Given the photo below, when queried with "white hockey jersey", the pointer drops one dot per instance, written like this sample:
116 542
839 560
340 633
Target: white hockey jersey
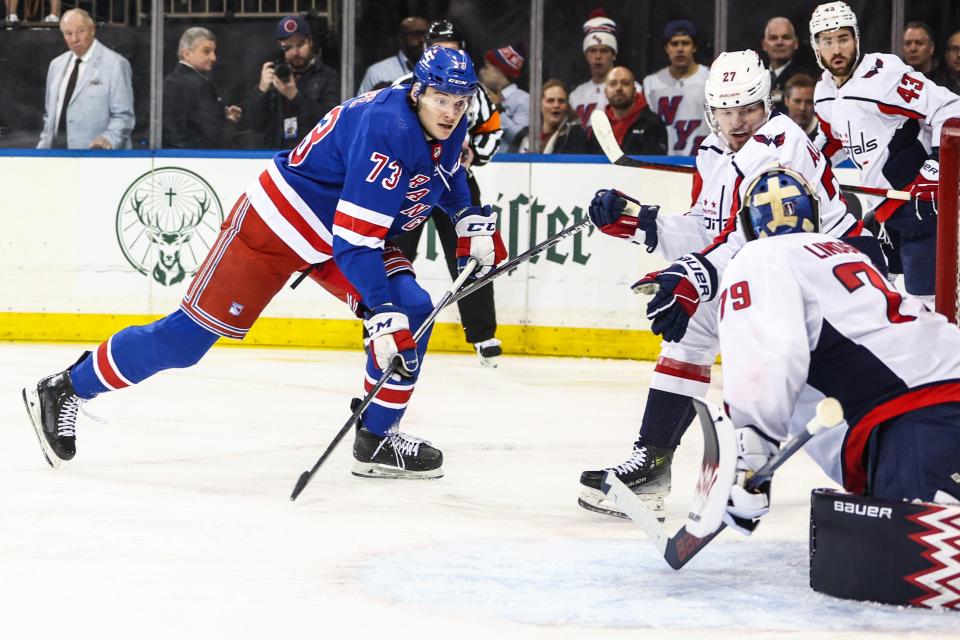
804 316
884 119
711 228
679 103
589 96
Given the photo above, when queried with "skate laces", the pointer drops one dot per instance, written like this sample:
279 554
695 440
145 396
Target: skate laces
633 463
402 445
67 420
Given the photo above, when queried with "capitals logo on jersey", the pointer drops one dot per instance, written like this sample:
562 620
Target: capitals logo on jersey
776 141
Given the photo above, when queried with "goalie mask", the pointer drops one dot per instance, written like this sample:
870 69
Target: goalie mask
777 202
830 17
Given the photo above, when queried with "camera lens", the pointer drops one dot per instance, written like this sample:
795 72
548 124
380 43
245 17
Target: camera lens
283 71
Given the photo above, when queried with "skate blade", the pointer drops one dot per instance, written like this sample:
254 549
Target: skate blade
374 470
31 400
596 501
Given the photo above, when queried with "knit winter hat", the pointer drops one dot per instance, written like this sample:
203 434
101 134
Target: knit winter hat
508 59
599 30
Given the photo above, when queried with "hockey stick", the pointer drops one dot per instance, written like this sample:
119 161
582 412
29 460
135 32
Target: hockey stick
306 476
679 548
611 148
508 266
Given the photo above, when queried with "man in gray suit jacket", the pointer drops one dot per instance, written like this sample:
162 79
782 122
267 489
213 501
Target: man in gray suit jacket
89 97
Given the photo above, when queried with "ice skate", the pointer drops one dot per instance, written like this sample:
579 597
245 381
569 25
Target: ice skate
52 406
489 352
646 472
397 455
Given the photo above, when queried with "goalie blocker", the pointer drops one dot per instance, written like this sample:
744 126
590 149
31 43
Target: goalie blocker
903 553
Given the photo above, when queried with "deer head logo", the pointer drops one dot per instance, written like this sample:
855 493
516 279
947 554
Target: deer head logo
166 222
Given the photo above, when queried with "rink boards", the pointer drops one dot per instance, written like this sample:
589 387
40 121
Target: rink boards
95 242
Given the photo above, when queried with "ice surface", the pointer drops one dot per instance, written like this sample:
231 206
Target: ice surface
174 520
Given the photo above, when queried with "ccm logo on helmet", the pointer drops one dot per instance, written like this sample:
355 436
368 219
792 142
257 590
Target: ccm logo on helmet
870 511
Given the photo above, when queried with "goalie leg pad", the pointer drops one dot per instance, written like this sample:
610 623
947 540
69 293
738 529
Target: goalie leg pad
902 553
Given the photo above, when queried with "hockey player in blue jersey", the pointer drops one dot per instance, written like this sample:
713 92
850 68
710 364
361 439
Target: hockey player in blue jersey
371 169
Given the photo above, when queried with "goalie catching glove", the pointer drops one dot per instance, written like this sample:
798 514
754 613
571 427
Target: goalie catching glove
617 214
745 508
679 290
390 338
479 238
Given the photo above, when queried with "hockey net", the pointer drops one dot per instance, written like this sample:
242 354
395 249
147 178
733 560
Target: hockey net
948 223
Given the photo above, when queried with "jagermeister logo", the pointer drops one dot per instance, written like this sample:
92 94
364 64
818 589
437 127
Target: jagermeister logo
166 223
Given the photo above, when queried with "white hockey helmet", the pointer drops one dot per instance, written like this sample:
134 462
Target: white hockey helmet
737 79
830 17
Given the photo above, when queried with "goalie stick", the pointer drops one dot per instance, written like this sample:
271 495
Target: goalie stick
679 548
306 476
611 148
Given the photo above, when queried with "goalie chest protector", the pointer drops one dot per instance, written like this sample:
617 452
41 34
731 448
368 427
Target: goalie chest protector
903 553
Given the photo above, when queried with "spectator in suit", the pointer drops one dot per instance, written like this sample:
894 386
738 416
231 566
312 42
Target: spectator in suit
293 93
413 30
918 47
780 43
89 92
561 131
638 130
498 75
951 68
798 98
194 116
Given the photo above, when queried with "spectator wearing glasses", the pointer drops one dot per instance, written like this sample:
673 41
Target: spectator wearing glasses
413 31
295 90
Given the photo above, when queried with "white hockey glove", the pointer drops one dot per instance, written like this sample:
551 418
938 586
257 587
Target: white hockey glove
390 338
745 508
479 238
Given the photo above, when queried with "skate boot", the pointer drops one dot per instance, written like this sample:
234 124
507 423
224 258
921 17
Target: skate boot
397 455
52 406
489 352
646 472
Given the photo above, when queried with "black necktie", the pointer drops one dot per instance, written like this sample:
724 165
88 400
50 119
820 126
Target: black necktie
71 84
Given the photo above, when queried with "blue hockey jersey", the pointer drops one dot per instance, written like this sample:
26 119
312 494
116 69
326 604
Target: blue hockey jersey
364 174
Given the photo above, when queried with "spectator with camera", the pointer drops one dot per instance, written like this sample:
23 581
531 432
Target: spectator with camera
295 90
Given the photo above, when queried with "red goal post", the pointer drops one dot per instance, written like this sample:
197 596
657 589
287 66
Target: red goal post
948 221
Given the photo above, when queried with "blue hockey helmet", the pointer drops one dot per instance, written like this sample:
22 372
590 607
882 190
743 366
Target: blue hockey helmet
447 70
777 202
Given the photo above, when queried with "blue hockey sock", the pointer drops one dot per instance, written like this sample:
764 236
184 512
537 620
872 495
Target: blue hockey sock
136 353
666 418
